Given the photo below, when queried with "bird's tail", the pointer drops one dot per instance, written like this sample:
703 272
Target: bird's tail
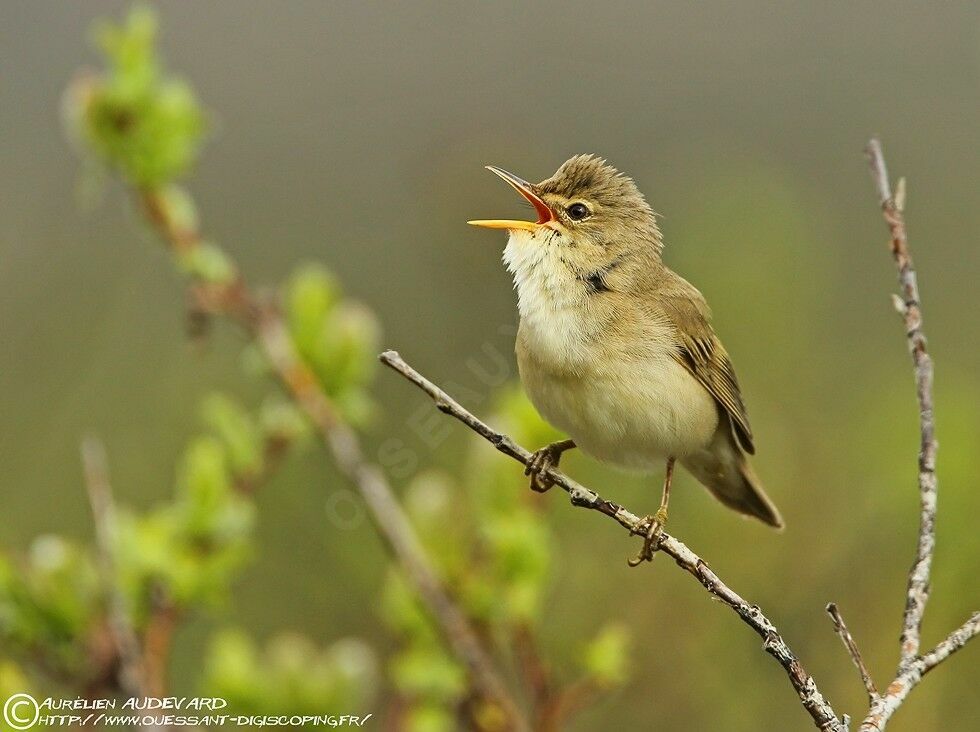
725 471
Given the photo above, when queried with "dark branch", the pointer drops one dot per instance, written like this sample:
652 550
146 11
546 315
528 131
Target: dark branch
806 688
840 627
262 322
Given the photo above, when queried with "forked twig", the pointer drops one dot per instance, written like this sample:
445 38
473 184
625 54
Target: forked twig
806 688
912 665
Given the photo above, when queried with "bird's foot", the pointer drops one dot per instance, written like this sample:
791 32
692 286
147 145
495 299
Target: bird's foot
541 460
652 537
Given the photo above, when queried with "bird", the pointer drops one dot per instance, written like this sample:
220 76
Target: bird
617 350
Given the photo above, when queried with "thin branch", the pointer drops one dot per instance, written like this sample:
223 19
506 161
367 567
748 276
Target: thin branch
840 627
263 322
813 701
124 637
886 705
918 584
912 666
952 643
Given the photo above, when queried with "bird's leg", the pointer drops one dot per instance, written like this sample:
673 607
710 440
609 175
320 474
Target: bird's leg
547 457
651 541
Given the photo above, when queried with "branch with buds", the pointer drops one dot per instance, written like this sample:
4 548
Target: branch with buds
262 321
913 665
147 127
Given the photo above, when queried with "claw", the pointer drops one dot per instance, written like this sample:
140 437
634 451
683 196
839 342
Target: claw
652 538
542 460
655 524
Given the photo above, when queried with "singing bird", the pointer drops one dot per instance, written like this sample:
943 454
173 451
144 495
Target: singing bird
617 350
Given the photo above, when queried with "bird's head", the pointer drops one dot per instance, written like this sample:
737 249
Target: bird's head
589 216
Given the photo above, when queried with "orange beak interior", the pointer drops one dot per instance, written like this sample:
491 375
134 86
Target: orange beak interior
520 185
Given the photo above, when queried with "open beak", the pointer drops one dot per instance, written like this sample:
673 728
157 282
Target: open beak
520 185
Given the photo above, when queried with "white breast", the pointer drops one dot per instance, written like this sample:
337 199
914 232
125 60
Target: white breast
630 406
549 298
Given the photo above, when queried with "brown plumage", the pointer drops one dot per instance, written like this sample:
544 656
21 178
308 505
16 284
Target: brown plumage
615 348
702 353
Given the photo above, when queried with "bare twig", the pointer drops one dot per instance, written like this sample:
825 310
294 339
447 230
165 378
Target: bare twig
840 627
909 677
124 637
952 643
912 666
813 701
263 322
918 583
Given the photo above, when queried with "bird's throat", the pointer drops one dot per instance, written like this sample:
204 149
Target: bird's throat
557 320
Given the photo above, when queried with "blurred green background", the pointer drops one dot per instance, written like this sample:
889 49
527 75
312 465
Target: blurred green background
354 134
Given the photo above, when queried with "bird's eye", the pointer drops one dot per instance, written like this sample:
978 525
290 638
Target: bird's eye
578 211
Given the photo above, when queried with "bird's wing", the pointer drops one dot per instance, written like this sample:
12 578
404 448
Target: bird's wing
701 353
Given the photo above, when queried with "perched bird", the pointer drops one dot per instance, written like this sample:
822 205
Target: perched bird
617 350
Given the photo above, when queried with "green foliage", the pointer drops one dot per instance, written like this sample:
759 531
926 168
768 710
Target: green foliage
241 437
12 680
605 657
336 338
185 552
432 501
517 538
494 549
282 422
430 681
520 557
178 207
147 125
49 602
190 549
483 529
290 675
428 717
420 671
193 547
207 262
